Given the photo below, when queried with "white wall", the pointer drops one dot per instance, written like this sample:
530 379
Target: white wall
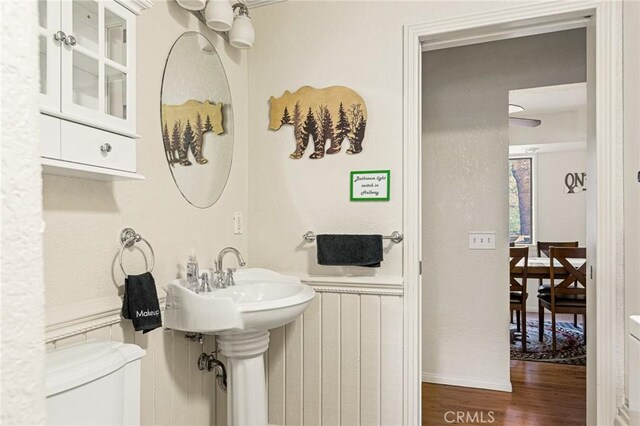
83 219
21 289
557 127
631 166
465 178
558 216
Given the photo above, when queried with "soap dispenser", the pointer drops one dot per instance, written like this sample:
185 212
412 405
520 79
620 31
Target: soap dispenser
192 273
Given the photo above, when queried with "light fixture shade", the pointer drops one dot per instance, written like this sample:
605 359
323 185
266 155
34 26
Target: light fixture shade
192 4
242 33
205 46
219 15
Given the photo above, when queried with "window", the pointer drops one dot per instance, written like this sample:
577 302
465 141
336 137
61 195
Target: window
521 200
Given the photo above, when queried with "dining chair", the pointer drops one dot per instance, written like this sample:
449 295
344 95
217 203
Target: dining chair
544 246
568 289
518 290
543 250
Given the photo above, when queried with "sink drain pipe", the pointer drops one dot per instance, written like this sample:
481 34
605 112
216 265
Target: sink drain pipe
212 364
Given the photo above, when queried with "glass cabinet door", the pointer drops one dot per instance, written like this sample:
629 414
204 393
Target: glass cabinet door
50 42
96 63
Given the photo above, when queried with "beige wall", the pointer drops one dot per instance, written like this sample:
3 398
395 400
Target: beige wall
21 290
298 43
83 219
338 46
465 149
358 45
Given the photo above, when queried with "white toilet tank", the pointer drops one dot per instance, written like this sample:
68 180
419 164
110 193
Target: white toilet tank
94 383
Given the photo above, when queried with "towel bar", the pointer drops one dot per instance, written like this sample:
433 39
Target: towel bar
129 237
395 237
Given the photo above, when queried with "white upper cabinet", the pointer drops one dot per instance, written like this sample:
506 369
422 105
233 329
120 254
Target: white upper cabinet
98 64
87 63
49 22
88 80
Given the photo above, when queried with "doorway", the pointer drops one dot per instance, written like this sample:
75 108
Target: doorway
466 137
602 36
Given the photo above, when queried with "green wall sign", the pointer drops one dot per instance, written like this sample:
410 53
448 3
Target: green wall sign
370 185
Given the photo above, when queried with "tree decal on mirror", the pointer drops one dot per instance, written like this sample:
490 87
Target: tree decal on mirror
188 129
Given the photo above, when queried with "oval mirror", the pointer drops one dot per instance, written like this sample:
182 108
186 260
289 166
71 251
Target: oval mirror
197 119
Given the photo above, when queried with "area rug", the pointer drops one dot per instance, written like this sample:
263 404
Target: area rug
570 346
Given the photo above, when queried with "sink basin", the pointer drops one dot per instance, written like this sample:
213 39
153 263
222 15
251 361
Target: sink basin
261 300
240 316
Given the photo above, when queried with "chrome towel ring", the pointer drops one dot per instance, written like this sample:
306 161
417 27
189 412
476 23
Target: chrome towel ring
128 237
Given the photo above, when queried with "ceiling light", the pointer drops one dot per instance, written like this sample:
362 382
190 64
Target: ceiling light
219 15
242 34
513 108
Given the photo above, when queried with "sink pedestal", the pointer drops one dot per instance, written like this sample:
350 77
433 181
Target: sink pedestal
246 384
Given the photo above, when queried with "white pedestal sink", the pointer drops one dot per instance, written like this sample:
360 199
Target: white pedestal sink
240 316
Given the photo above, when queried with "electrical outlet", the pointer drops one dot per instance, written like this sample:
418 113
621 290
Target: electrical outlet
482 240
237 223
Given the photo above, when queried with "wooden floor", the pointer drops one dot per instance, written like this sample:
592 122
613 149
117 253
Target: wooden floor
543 395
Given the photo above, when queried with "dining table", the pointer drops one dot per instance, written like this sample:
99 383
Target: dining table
539 267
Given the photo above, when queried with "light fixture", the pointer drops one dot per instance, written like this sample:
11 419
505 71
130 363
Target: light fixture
218 15
192 4
242 33
513 108
231 22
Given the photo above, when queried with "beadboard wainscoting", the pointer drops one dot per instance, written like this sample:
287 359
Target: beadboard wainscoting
173 390
340 363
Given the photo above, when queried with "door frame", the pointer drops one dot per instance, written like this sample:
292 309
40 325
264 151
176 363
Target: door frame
603 375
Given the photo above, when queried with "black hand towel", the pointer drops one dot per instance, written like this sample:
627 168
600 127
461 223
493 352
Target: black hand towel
355 250
140 303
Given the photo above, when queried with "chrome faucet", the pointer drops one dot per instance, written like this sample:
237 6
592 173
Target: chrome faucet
224 279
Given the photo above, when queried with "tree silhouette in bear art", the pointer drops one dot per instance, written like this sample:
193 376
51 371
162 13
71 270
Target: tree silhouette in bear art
322 106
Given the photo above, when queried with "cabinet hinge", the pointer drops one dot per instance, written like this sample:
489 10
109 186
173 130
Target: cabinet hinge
124 35
420 267
124 112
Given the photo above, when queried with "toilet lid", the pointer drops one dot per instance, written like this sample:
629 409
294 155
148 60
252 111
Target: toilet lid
75 365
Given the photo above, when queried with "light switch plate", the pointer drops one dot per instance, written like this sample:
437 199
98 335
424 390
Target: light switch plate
482 240
237 223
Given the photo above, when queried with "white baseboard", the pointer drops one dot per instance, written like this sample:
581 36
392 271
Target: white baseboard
458 381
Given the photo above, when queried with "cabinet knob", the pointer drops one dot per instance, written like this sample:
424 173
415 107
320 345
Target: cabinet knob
70 40
105 148
60 36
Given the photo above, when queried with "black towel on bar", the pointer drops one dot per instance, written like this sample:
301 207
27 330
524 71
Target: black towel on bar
353 250
140 303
